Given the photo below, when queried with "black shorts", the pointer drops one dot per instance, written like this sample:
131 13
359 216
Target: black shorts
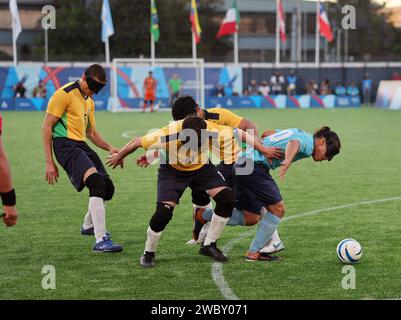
76 157
226 171
256 190
172 183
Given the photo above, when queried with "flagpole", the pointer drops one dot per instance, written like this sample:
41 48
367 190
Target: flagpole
14 43
236 57
277 34
194 53
152 49
317 53
107 48
46 46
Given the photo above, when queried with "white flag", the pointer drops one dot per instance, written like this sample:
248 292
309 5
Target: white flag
16 25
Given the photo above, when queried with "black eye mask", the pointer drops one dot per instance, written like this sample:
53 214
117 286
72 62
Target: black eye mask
93 85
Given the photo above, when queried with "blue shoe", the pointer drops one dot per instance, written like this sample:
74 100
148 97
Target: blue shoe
107 246
91 232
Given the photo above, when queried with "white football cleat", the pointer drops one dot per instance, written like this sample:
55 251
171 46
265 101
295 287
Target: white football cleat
272 247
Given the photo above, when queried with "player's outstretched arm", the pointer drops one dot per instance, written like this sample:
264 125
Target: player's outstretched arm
290 152
6 190
51 168
96 138
249 126
268 133
268 152
117 159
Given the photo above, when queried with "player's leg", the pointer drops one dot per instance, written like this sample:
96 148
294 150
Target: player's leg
267 226
203 207
152 102
169 190
97 186
145 103
275 244
224 198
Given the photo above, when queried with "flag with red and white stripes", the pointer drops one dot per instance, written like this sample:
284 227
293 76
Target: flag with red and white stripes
281 17
324 25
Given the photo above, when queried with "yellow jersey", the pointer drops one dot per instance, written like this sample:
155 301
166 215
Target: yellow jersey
222 117
75 113
222 140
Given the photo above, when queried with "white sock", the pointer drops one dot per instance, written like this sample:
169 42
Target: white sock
96 207
88 222
152 240
208 206
216 228
275 237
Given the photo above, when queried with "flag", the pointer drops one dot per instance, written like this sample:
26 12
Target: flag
324 25
154 21
231 21
281 17
107 21
196 29
15 19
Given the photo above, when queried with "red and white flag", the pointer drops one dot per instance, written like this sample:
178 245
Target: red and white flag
231 21
324 25
281 17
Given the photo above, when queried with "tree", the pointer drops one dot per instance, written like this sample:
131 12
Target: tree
78 33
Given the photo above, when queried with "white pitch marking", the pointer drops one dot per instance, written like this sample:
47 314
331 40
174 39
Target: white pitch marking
128 134
217 268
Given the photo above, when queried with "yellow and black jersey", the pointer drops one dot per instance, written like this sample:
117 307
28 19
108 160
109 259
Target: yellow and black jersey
222 117
222 141
75 113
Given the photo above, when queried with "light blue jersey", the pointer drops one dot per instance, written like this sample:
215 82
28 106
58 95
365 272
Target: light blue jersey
280 140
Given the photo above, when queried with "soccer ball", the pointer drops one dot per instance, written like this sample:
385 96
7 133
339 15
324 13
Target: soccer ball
349 251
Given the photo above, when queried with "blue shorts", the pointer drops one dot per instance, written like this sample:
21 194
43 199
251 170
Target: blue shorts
171 183
76 157
256 190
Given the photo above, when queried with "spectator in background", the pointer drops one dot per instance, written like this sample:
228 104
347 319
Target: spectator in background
353 90
245 93
340 90
40 90
396 76
175 87
312 87
220 92
292 83
253 88
19 89
277 81
325 87
264 89
366 89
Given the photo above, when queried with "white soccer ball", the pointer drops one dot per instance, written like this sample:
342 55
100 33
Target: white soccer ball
349 251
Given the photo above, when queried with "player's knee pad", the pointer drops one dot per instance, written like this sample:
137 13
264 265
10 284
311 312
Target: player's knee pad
200 198
109 188
162 216
96 185
224 203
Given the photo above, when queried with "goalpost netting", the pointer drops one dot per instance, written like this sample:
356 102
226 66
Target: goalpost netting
128 75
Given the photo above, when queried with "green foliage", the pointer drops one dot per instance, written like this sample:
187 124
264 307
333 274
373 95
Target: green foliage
78 33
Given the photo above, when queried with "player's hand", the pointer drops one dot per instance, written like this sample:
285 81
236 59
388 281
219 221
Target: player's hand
115 160
283 170
113 150
142 161
51 172
10 216
273 153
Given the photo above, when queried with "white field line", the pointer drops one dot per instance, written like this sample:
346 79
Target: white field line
217 268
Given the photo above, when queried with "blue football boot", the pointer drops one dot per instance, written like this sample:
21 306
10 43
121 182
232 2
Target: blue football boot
107 246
